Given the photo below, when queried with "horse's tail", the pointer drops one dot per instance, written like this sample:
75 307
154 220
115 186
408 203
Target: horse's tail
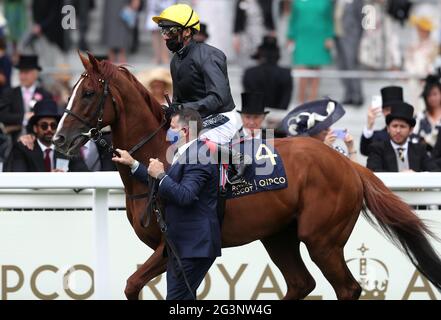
401 225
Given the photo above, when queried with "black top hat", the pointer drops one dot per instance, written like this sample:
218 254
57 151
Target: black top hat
268 48
43 109
312 118
203 30
28 62
253 103
391 95
402 111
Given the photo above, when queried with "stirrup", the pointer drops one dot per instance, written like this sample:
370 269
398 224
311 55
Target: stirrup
240 168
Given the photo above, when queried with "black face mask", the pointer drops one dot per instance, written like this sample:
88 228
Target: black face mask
174 44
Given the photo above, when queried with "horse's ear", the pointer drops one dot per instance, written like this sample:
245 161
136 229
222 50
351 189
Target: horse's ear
84 61
94 62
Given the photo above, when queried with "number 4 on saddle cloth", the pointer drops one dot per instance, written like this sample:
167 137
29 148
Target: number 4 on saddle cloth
265 172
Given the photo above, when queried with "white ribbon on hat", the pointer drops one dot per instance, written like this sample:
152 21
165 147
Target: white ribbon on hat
313 117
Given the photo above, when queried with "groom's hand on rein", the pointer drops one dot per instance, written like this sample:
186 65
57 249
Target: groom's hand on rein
169 111
155 168
125 159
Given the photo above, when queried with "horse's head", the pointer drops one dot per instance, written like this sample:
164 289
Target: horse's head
91 106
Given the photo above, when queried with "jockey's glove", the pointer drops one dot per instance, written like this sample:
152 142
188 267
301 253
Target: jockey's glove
172 109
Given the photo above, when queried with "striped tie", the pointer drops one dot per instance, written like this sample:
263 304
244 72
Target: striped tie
401 154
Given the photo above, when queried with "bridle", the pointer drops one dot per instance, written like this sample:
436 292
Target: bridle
95 132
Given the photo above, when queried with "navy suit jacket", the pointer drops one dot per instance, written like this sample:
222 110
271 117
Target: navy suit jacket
190 193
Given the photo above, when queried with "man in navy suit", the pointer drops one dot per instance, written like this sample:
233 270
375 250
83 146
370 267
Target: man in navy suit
189 188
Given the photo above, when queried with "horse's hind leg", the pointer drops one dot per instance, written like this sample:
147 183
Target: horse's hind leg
153 267
334 268
326 250
284 250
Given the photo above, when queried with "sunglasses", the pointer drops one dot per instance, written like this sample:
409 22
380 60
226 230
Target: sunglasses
44 126
169 31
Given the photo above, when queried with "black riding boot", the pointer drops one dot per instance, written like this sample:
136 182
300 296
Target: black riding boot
238 160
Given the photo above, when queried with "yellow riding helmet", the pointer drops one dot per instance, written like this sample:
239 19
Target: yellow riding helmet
181 14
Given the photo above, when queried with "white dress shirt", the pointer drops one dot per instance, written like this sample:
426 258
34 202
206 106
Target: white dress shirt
402 165
31 91
404 146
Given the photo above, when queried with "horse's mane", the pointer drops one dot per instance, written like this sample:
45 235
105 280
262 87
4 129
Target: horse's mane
109 71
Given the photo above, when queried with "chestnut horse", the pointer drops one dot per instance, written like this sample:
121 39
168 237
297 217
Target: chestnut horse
325 195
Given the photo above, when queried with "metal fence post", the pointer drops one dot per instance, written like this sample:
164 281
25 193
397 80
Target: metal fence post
102 262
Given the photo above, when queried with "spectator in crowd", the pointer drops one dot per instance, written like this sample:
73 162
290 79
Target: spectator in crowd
311 33
436 152
160 51
116 31
134 47
314 119
5 67
158 82
253 114
420 58
252 19
43 157
202 36
389 96
16 105
189 190
16 15
429 122
399 154
380 42
421 55
53 40
5 146
83 9
348 30
59 85
3 24
94 156
211 11
268 77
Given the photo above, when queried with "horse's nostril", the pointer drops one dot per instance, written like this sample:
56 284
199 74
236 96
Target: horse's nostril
59 140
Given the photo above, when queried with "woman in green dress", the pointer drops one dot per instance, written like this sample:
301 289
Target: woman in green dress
16 15
310 33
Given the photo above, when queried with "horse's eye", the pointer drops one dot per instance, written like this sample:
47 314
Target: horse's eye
88 94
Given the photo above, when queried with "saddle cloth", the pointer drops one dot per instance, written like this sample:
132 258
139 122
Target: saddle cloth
266 171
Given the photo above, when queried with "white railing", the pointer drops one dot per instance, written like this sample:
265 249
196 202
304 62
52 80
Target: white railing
102 191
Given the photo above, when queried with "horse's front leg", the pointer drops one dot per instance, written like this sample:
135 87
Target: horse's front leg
153 267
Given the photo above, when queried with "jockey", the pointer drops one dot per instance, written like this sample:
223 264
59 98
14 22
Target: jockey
200 80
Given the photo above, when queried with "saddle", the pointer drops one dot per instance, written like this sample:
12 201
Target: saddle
264 171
